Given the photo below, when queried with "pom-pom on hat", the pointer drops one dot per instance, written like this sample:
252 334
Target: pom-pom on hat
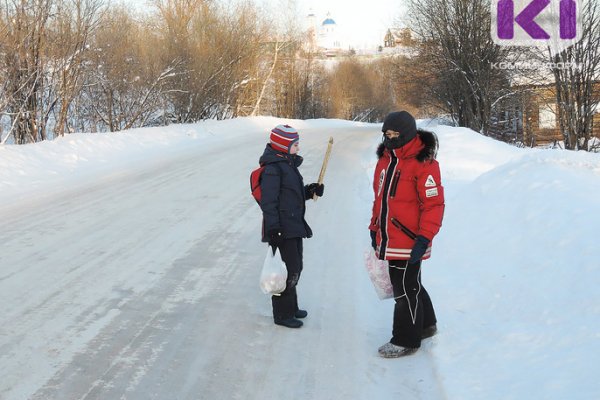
283 137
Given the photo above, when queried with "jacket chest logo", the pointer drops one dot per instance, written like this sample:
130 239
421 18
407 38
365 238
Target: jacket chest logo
430 182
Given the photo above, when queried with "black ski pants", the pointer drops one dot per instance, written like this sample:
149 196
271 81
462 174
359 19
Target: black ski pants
285 304
413 310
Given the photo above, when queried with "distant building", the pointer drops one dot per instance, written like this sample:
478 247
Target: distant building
323 37
399 41
328 35
540 115
310 44
398 37
531 115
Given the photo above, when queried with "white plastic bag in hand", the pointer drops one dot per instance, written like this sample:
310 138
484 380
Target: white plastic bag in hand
379 275
274 273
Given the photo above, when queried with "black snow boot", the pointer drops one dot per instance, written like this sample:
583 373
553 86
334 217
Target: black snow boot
300 314
429 331
288 322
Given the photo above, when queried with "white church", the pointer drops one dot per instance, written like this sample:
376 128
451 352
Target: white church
323 36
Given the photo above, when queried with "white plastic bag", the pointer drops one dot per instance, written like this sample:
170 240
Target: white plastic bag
274 273
379 275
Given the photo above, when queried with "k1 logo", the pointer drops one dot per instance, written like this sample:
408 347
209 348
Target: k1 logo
554 23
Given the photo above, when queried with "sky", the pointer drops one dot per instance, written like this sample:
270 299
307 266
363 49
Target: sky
362 24
130 264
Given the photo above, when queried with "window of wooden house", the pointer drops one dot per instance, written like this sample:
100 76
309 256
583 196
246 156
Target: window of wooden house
547 116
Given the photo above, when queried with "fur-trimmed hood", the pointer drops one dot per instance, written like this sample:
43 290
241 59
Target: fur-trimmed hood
425 145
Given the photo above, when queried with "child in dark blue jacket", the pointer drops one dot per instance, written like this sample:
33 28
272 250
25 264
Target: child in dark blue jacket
283 206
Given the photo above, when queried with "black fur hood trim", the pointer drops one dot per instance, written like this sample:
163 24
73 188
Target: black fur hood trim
429 151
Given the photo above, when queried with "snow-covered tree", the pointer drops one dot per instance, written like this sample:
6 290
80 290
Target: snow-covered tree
458 51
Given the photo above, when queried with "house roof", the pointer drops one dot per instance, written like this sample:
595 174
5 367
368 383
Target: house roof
395 32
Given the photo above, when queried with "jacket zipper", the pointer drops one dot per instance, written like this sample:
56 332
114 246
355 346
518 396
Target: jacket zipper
384 212
403 228
395 184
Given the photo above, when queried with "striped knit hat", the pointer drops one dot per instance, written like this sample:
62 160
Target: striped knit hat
283 137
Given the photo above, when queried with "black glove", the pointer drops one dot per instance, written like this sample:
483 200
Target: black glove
314 188
275 237
373 239
418 250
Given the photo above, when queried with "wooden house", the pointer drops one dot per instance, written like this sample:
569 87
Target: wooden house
540 115
530 116
401 37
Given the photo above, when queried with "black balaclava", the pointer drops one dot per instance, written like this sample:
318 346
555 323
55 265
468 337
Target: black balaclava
399 121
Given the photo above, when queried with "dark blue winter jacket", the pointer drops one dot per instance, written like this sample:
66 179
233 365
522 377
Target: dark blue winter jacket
283 195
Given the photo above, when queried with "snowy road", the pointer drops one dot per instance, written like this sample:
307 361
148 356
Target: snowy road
143 284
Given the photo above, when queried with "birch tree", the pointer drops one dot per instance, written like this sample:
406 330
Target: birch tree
74 24
24 45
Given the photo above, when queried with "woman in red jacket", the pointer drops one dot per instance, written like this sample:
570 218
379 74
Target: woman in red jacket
407 214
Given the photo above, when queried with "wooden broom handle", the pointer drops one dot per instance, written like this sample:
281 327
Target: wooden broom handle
324 166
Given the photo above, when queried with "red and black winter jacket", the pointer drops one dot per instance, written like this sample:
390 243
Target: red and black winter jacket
409 197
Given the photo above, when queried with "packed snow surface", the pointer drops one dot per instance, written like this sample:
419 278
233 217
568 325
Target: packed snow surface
130 264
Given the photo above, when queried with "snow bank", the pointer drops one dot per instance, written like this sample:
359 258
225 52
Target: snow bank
516 273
